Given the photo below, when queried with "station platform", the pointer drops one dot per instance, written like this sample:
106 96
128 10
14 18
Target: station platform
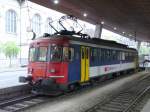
9 77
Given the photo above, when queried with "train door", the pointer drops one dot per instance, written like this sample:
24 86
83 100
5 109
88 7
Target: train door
85 63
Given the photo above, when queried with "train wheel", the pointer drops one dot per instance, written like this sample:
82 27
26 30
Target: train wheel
118 74
92 82
71 87
114 75
124 72
77 86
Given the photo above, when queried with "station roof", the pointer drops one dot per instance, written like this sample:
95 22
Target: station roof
127 17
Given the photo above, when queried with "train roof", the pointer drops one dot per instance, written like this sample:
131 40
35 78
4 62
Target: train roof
93 40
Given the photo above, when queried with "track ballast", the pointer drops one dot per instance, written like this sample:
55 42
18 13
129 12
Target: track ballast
126 99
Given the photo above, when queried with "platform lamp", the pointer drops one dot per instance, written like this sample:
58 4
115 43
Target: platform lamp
32 34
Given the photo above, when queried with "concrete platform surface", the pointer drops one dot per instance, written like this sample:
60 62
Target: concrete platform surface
9 78
80 102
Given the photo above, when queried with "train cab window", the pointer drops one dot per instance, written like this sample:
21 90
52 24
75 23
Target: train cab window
42 54
56 53
71 54
32 54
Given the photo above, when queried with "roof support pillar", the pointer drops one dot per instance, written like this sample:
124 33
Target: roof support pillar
138 45
98 31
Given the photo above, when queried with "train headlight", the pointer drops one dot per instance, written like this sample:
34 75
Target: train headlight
52 70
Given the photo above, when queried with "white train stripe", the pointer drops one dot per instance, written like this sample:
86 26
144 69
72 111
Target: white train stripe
60 76
101 70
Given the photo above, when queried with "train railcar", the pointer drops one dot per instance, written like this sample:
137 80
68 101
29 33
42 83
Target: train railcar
61 62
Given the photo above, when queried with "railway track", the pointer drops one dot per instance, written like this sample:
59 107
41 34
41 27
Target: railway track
126 99
28 101
21 103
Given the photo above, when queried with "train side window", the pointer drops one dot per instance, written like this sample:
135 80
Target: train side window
103 55
77 55
65 53
119 55
100 54
131 56
108 54
92 54
127 56
95 52
71 54
123 55
111 56
114 55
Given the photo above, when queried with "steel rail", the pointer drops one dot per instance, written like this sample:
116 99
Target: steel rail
10 102
124 100
137 99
